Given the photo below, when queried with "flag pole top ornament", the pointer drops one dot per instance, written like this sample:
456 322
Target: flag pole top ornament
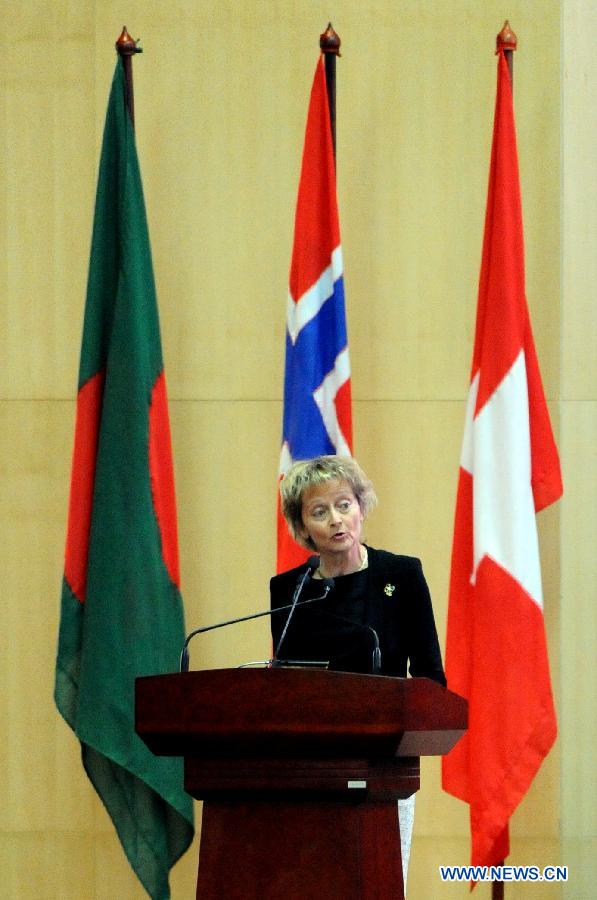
329 41
506 39
125 45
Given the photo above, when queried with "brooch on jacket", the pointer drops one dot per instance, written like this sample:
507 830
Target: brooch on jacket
389 589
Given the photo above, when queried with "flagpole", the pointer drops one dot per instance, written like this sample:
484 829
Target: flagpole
507 41
127 47
329 42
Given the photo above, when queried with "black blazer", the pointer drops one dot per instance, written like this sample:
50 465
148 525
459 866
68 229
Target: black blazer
393 599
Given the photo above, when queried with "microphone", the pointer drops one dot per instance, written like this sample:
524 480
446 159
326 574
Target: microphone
376 656
184 655
312 565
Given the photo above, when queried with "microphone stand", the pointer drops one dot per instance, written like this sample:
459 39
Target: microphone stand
184 656
312 564
376 655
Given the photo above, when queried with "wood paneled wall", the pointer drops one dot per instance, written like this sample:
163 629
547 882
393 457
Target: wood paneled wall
221 95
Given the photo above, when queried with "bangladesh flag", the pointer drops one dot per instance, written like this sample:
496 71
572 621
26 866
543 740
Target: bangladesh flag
121 613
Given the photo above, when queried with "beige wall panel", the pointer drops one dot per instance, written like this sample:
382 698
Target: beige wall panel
579 619
427 855
541 852
221 96
579 206
226 461
41 761
49 173
579 854
47 866
218 157
114 877
411 451
220 118
579 438
415 130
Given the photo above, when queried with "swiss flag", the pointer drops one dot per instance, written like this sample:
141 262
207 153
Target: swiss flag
496 654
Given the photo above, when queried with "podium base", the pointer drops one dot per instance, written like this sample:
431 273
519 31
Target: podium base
284 850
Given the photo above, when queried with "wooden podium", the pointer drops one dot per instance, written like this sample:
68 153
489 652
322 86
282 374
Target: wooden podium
299 772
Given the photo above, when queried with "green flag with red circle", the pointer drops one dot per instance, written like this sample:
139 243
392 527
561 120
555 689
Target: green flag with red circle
121 608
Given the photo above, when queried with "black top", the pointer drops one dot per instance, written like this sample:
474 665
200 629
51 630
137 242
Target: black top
390 595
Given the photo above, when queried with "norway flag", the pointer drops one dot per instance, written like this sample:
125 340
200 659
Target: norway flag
317 404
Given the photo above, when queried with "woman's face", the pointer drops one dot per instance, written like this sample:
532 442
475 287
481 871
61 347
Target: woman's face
332 517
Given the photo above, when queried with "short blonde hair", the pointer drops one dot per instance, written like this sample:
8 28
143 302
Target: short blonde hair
308 472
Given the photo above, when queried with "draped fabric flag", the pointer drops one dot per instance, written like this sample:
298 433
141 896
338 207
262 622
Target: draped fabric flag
121 613
317 403
496 653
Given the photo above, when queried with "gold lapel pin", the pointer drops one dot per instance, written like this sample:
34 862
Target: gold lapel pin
389 589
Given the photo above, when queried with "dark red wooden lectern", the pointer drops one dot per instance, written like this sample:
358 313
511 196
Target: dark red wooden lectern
299 772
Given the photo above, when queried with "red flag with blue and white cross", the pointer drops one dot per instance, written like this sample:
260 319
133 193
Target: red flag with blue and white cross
317 398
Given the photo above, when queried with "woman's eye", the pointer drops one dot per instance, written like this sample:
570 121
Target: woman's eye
344 506
318 513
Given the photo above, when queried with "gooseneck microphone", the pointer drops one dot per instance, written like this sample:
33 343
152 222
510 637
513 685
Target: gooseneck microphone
327 584
376 656
312 566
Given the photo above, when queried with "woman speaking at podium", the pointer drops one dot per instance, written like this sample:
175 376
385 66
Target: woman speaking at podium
376 598
375 593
